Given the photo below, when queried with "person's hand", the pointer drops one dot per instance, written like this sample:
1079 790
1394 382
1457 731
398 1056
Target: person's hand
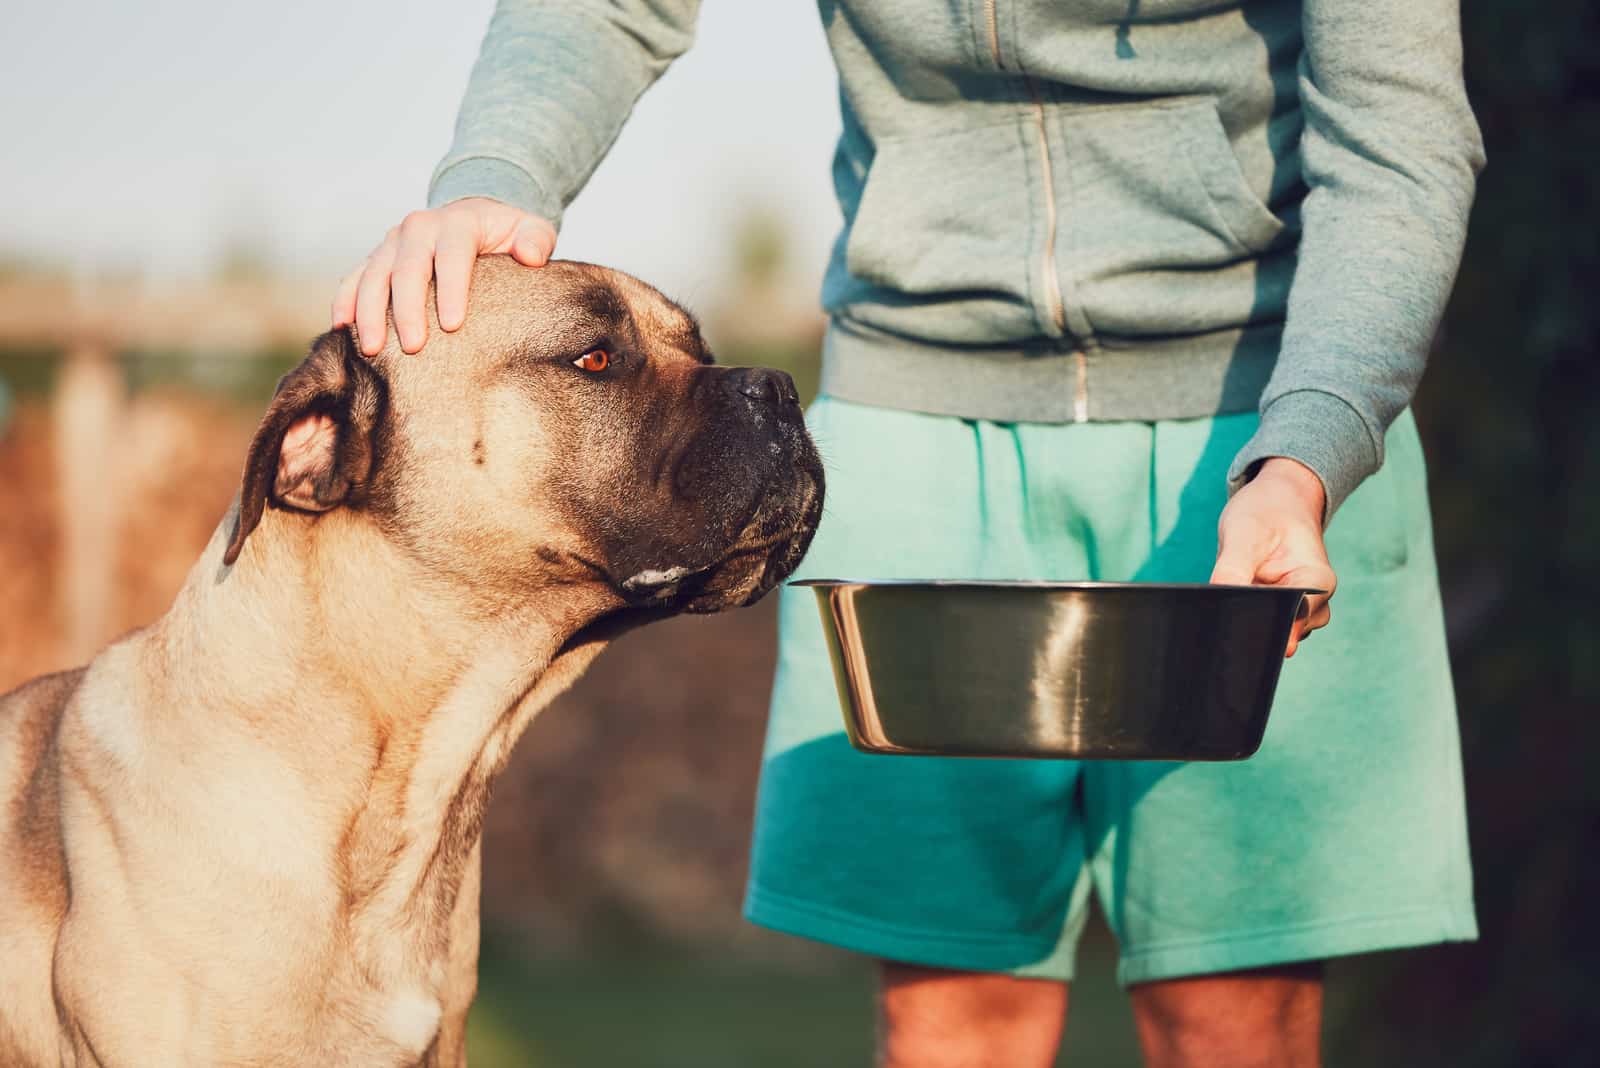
1270 534
443 243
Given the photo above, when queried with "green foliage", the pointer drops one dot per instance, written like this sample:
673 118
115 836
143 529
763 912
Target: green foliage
760 247
1509 415
664 1008
243 380
29 371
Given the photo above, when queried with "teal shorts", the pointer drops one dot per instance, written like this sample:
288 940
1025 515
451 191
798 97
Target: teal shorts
1345 833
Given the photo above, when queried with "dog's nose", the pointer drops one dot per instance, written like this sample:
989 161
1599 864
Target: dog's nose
766 386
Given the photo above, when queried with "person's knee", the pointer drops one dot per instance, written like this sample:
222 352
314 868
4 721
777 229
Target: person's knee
1270 1017
934 1018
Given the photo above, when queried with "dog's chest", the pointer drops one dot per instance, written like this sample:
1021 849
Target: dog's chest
410 1019
391 991
404 1025
394 1027
395 983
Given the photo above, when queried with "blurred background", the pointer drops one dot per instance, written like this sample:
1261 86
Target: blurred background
183 185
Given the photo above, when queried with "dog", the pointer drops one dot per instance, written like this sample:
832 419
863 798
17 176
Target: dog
249 834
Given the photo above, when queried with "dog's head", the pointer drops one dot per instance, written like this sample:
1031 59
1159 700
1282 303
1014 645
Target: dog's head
574 430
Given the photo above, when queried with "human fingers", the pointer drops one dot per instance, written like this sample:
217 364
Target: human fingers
372 295
408 283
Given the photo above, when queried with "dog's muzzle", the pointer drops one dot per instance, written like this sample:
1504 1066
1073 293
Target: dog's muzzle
761 457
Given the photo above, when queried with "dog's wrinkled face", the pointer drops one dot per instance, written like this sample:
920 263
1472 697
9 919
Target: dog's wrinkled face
575 430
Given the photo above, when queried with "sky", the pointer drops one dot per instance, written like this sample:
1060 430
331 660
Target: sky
152 137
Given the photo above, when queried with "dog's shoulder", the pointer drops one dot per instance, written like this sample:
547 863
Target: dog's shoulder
43 687
33 873
37 704
29 718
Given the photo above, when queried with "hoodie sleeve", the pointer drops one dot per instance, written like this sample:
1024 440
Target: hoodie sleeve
554 82
1390 153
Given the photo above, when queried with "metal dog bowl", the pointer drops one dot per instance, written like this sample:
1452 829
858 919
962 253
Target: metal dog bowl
1131 671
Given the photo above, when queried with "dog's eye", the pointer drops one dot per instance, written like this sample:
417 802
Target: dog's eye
594 361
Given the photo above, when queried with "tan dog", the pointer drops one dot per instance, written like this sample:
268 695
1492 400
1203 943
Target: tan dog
249 833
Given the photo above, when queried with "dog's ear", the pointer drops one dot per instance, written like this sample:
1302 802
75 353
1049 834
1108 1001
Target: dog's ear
314 448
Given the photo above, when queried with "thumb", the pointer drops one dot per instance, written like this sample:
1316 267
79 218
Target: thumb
533 242
1237 560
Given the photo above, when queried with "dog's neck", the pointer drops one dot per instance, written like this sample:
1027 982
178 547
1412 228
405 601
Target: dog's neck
390 700
324 623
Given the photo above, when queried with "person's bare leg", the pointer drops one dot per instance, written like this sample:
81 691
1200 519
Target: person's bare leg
1271 1018
933 1018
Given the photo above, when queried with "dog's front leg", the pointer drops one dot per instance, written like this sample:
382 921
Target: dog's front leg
461 983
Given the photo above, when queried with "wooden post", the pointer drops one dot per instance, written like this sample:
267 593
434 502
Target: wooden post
87 416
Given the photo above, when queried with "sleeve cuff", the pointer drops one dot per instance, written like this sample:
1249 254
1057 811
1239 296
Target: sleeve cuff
497 179
1319 430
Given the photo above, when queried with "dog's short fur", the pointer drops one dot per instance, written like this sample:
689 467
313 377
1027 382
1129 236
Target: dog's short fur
248 834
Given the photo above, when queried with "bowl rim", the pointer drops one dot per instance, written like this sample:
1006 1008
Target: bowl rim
1047 585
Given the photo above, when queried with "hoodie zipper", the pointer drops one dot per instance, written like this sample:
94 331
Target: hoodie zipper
1052 284
1052 281
993 17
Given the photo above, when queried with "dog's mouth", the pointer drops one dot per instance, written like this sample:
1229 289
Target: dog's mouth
769 547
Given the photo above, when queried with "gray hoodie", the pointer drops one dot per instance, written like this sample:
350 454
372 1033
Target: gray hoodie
1088 210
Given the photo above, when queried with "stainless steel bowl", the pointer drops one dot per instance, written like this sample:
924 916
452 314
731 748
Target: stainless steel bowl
1087 670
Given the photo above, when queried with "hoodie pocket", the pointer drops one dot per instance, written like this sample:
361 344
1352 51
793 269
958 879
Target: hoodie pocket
951 215
1163 228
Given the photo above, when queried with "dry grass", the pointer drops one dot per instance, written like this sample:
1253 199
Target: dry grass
168 478
30 543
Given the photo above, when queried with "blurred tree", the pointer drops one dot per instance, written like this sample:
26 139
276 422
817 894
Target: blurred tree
765 315
1509 413
760 247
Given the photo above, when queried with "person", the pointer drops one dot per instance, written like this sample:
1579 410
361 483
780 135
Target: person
1121 293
